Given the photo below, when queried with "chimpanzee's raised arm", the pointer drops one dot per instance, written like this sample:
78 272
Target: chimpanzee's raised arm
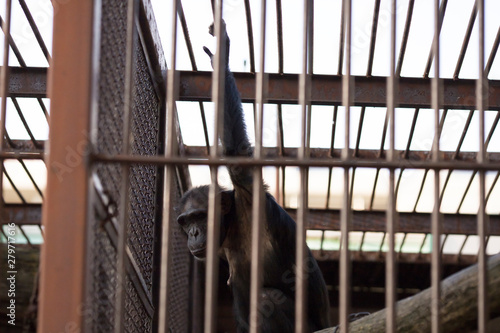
235 139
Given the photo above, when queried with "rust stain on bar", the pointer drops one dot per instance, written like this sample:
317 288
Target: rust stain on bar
283 88
327 89
28 82
459 224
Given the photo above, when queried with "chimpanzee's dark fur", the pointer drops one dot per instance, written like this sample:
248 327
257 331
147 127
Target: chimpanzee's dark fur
278 243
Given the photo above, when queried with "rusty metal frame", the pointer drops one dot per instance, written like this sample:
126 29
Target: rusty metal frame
62 280
327 90
335 90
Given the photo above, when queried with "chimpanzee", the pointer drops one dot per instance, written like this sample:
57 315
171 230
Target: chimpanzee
278 243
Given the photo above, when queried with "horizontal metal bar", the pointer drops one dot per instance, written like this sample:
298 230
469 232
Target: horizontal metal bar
459 224
28 82
15 155
367 154
283 88
307 162
374 221
362 154
410 258
327 90
21 214
24 146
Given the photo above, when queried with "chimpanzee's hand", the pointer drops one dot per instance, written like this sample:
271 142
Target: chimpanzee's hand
211 31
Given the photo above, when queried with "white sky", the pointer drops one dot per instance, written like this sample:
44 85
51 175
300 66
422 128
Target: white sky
326 41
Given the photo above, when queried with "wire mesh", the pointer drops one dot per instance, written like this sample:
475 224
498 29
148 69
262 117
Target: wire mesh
144 183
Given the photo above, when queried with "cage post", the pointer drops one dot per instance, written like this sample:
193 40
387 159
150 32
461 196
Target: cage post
62 305
482 230
218 85
436 223
345 263
304 90
258 205
390 292
170 151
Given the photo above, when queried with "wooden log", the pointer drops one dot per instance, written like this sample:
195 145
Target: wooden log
458 305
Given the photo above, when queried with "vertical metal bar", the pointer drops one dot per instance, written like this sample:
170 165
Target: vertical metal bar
341 39
465 43
14 187
26 236
441 11
187 39
462 247
13 46
25 123
304 101
493 53
400 250
492 187
373 38
192 59
435 226
281 150
205 128
279 23
457 151
360 129
218 84
251 50
35 30
390 295
436 141
279 31
132 10
346 206
258 192
169 182
62 278
44 109
330 153
492 129
404 40
464 133
30 176
412 131
466 191
380 154
482 230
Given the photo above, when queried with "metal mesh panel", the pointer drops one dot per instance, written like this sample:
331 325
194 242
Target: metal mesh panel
179 294
143 179
137 319
104 283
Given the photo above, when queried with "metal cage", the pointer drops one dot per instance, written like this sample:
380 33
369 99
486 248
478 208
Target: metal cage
112 256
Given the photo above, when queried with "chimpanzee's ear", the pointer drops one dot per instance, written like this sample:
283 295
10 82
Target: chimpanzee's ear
226 202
